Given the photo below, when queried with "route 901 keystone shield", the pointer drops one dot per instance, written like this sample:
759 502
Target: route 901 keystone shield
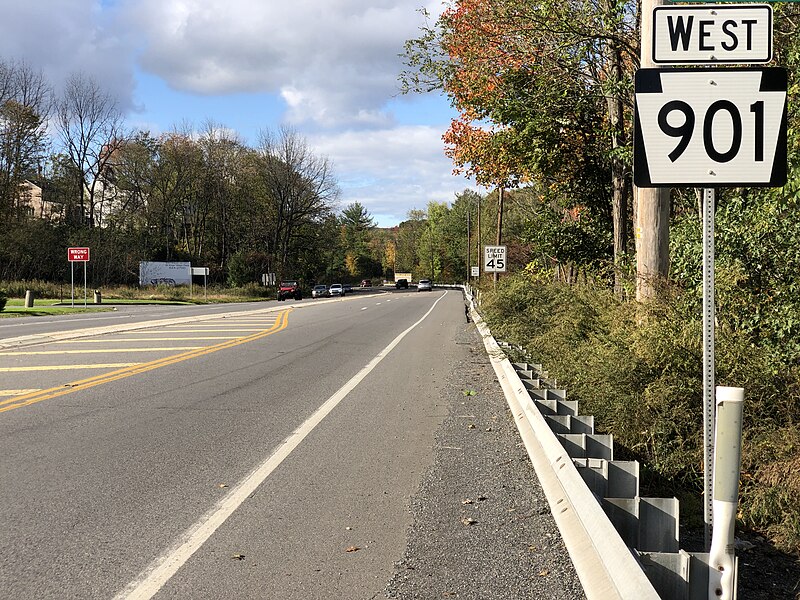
710 127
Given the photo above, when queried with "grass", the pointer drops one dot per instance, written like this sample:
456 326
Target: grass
47 310
50 297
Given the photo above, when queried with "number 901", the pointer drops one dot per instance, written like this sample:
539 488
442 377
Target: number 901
685 130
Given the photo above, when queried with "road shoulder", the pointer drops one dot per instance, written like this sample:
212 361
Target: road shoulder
482 526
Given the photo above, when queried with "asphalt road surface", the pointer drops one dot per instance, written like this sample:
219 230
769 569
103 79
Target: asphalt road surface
322 449
267 454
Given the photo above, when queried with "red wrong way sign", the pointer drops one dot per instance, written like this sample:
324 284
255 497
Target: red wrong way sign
78 254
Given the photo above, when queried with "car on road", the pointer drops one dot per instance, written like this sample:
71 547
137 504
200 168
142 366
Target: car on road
366 283
319 291
347 288
289 289
401 284
336 290
424 285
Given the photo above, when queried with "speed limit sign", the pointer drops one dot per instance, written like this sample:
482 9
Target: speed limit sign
494 259
710 127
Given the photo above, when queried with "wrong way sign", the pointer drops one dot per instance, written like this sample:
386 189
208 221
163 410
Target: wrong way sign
710 127
78 254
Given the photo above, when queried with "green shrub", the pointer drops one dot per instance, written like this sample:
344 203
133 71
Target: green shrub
639 371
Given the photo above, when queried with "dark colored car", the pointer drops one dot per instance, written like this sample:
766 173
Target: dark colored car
401 284
366 283
347 289
289 289
320 291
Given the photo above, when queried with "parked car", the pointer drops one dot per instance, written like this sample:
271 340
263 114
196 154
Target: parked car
319 291
336 290
366 283
347 288
401 284
424 285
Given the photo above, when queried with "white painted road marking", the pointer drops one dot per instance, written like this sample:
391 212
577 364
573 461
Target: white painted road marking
155 576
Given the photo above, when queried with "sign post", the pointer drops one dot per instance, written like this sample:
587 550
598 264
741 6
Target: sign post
78 255
710 128
204 272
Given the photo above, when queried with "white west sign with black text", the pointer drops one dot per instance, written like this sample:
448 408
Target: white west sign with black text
710 127
712 33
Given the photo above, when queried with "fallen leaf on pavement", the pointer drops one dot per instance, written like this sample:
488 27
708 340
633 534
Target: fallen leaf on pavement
237 557
468 521
352 549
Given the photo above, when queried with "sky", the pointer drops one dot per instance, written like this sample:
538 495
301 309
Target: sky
326 69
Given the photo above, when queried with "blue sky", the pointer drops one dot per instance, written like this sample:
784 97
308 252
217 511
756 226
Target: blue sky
325 68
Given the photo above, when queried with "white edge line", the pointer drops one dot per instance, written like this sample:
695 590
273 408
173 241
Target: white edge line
156 575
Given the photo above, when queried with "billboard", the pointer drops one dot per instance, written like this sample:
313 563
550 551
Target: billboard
165 273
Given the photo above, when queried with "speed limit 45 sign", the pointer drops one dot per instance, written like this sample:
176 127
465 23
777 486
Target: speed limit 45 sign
710 127
494 259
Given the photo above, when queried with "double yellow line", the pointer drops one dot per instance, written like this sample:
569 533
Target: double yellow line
27 399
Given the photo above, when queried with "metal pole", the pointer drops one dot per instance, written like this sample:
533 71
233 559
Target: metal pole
72 285
727 465
708 360
84 284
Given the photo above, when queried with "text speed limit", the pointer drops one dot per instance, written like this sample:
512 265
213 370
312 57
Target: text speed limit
494 259
710 128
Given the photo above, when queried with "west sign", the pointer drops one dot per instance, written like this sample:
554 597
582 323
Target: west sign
712 34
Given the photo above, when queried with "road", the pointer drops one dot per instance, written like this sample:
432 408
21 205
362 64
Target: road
268 454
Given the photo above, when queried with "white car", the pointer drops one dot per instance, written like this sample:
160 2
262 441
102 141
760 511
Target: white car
336 290
424 285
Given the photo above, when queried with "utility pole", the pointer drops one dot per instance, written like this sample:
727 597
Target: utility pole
469 244
480 240
651 220
500 195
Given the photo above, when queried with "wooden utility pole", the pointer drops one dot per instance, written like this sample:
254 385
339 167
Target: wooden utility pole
469 244
480 239
651 227
500 194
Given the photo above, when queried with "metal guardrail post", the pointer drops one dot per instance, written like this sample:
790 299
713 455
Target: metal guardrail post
727 464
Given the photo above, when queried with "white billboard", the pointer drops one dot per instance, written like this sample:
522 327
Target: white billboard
165 273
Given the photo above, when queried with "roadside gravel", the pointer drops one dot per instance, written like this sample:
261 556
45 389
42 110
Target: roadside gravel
482 526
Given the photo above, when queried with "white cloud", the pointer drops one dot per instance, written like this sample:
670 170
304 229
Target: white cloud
391 171
67 36
334 62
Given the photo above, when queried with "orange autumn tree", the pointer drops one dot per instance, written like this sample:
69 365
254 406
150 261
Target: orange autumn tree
543 95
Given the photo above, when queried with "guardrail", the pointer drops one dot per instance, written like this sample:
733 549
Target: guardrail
623 546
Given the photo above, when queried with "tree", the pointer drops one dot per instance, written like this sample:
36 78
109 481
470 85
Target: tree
553 82
301 189
89 124
23 115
